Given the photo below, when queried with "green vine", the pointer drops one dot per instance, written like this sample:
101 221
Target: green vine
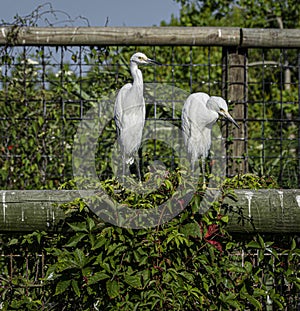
190 263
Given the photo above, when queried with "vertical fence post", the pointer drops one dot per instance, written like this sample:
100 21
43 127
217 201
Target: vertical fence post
234 90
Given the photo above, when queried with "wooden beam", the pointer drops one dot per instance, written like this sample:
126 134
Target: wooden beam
30 210
270 38
269 210
172 36
120 36
273 211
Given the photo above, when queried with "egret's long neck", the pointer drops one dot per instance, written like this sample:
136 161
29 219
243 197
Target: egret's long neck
137 75
212 106
212 109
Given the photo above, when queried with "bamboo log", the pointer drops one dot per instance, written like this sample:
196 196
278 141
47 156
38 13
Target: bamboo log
273 211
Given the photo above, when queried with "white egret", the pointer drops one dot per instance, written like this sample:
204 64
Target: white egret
130 111
200 112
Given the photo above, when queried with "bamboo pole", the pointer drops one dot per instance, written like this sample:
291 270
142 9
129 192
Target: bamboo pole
172 36
273 211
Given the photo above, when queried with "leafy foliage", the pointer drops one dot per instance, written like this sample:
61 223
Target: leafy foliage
189 263
241 13
250 181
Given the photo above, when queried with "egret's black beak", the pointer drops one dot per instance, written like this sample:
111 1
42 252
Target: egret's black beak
229 118
152 61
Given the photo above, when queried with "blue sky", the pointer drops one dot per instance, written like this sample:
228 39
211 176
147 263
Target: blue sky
118 12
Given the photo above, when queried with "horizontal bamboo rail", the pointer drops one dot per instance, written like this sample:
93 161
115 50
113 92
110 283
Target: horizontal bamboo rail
273 211
172 36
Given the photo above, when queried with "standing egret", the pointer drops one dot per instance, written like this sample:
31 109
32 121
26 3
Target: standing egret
200 112
130 112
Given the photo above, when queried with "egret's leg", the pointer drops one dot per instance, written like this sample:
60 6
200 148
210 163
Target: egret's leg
193 164
193 167
123 169
137 163
203 171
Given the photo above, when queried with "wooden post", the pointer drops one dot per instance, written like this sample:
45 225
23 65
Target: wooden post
235 92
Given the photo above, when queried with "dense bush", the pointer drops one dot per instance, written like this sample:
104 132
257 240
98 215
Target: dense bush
189 263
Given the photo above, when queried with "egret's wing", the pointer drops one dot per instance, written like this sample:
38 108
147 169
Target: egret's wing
193 123
195 113
129 117
118 112
186 122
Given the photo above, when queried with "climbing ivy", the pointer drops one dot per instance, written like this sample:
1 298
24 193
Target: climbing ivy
190 263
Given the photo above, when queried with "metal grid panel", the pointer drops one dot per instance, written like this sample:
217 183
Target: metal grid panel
52 84
273 114
55 86
23 276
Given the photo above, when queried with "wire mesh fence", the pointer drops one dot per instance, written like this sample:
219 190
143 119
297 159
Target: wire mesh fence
23 275
273 114
46 91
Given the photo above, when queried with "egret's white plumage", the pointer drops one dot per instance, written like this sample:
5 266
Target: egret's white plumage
200 112
130 110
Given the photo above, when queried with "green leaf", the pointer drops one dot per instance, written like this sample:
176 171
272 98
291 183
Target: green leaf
273 252
293 246
230 299
40 120
91 223
98 276
81 227
62 286
112 288
99 242
253 244
112 247
261 241
189 276
234 303
75 239
248 266
236 268
191 229
168 184
225 219
133 280
76 288
13 242
253 301
80 258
